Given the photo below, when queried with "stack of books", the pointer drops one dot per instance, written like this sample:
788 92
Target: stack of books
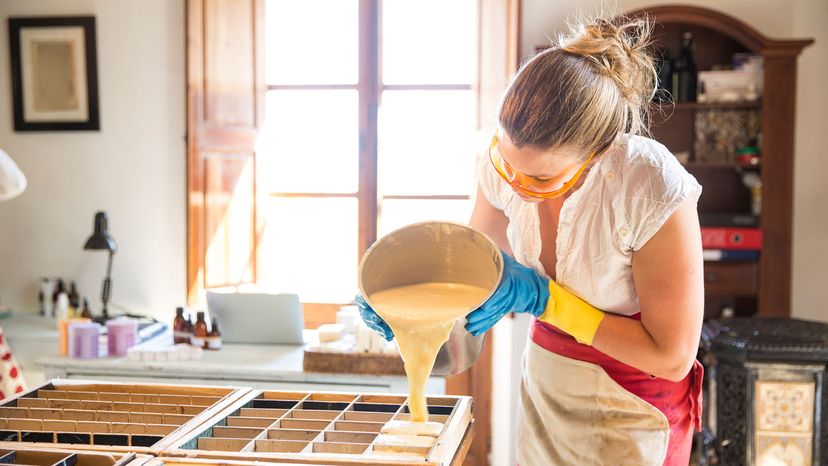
731 237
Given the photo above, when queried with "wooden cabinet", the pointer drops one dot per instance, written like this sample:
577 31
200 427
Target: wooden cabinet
762 287
724 279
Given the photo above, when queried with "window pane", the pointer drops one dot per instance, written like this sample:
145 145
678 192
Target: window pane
396 213
309 247
429 41
310 142
228 218
426 142
311 41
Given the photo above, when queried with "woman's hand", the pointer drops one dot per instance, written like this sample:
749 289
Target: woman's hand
521 290
524 290
372 319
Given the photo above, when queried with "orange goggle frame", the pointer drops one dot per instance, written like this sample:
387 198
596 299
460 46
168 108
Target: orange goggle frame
527 185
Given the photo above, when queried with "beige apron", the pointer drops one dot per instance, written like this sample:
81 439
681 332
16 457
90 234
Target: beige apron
572 413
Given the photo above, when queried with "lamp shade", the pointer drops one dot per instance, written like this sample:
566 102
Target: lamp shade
100 239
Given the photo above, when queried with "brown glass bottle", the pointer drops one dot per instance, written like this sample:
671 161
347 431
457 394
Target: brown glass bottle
180 332
60 288
74 297
85 313
200 331
189 328
214 337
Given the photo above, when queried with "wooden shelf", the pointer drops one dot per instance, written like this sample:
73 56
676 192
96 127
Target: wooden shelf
717 38
708 106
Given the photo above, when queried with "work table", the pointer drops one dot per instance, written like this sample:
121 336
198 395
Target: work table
258 366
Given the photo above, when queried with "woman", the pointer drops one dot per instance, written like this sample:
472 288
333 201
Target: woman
603 228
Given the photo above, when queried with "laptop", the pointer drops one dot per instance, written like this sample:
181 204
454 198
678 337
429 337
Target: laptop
274 319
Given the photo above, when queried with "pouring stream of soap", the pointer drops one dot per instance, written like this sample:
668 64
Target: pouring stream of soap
422 316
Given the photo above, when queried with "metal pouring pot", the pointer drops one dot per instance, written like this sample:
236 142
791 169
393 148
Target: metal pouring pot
436 252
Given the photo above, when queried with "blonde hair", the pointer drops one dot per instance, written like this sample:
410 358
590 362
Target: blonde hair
590 86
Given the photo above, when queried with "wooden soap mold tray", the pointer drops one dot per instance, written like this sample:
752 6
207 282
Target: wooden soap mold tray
108 416
334 428
53 457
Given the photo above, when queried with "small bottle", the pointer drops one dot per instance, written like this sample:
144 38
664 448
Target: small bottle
180 332
85 312
62 308
60 288
684 71
74 301
189 328
200 331
214 337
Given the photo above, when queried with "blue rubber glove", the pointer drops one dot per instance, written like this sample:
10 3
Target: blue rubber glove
521 290
372 319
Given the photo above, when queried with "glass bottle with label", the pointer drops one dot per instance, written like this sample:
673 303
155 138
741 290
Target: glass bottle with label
85 312
200 331
684 71
74 297
214 337
180 332
189 328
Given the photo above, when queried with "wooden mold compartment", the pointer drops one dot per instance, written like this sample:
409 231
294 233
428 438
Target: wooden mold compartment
328 428
55 457
108 416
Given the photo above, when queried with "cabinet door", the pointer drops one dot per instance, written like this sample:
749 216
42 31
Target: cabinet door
224 113
731 278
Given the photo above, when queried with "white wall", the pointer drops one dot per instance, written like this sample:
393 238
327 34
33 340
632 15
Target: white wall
782 19
134 167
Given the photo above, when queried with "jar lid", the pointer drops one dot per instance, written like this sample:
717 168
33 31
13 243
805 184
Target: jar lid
122 322
84 327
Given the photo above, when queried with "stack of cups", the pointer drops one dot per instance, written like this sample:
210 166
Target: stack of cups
84 340
122 334
64 333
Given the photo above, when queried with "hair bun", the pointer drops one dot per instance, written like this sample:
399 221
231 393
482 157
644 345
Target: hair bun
618 49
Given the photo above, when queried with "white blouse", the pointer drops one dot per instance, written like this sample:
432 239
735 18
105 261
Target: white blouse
624 200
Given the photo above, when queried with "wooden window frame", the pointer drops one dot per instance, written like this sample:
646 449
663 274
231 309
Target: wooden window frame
369 88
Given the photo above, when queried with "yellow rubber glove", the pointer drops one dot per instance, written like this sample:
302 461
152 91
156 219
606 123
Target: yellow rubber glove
571 314
522 289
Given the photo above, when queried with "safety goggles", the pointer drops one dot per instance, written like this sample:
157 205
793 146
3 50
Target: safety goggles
528 185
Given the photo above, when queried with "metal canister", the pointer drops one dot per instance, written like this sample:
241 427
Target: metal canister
444 252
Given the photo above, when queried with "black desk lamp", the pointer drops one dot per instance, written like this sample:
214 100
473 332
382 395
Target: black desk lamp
101 241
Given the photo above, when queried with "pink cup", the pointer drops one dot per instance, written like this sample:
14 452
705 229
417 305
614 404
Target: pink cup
84 340
122 334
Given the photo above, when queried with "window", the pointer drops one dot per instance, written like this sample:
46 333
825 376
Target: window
370 112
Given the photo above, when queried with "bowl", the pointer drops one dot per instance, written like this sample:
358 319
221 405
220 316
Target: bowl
435 251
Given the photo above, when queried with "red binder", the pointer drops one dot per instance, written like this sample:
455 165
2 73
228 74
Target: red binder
731 238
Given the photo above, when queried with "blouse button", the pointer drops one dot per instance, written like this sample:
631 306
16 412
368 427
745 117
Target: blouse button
624 232
610 176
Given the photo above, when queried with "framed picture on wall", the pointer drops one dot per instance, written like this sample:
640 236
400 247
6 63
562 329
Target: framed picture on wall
54 73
